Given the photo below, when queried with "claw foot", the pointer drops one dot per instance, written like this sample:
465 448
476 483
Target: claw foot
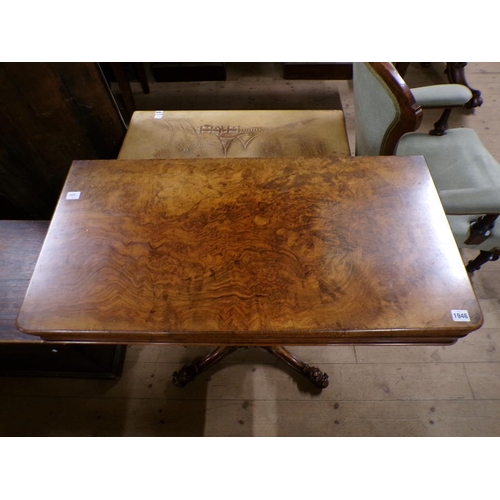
316 376
185 375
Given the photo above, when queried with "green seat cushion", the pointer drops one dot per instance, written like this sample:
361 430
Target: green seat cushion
457 160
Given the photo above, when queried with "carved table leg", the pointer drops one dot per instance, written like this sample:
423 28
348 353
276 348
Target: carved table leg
456 74
315 375
188 372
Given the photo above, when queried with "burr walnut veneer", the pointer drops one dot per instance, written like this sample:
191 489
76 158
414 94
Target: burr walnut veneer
250 252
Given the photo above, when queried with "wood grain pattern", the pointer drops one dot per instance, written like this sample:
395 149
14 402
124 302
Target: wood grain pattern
26 355
300 251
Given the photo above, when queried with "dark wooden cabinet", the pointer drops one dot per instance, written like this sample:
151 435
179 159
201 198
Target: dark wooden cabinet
50 115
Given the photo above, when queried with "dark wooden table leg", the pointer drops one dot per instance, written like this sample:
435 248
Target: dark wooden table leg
189 372
315 375
456 74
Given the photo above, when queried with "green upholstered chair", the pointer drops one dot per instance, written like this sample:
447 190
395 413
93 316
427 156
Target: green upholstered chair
467 177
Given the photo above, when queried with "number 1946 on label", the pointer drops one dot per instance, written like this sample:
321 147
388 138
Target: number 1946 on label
460 315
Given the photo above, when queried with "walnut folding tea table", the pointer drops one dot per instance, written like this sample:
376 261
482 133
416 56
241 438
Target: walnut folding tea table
263 252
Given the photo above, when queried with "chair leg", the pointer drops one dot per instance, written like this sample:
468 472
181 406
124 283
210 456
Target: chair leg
480 229
482 258
441 125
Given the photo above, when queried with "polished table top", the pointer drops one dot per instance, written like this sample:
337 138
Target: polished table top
289 251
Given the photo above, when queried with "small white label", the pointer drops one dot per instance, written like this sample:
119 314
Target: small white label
73 195
460 315
158 115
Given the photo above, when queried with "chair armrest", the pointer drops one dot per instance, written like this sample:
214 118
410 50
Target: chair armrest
471 201
442 96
